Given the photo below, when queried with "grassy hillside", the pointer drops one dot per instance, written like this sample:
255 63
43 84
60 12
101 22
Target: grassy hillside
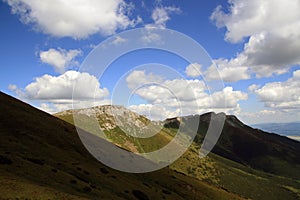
42 157
117 134
235 176
260 150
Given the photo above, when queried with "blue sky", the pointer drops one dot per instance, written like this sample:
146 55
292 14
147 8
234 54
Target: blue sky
254 45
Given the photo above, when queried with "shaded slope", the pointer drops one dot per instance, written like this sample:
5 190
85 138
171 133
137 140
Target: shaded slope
41 157
258 149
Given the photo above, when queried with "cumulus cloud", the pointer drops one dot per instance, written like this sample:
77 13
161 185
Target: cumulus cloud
172 92
253 87
60 88
229 70
273 33
55 93
281 95
227 98
186 96
76 19
246 18
60 59
139 78
154 112
193 70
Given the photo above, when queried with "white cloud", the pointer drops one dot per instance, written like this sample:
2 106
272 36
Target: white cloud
247 18
60 59
118 40
161 15
273 29
229 70
154 112
227 98
55 93
253 87
12 87
269 115
60 88
16 90
57 106
77 19
139 78
172 92
184 96
281 95
267 112
151 37
193 70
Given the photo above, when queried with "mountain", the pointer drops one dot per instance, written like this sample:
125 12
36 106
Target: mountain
260 150
245 161
115 121
42 157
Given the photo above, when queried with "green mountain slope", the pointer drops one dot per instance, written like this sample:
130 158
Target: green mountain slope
261 150
42 157
240 143
115 122
225 168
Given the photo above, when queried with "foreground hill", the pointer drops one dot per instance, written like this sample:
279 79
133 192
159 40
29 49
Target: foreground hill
245 161
42 157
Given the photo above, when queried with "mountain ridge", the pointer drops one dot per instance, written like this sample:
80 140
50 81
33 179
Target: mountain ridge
240 142
246 145
42 157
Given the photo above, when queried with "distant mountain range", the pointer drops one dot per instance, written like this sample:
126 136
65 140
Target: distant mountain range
291 129
42 157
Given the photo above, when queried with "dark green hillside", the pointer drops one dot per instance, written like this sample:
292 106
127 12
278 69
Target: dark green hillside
258 149
41 157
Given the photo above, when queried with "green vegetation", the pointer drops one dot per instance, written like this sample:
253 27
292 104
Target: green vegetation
232 164
117 135
42 157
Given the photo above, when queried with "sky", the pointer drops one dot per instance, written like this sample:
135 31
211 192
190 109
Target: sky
244 56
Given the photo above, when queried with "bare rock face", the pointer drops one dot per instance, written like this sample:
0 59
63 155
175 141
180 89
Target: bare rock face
112 116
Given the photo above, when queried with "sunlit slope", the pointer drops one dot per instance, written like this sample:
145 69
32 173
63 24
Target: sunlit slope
120 126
